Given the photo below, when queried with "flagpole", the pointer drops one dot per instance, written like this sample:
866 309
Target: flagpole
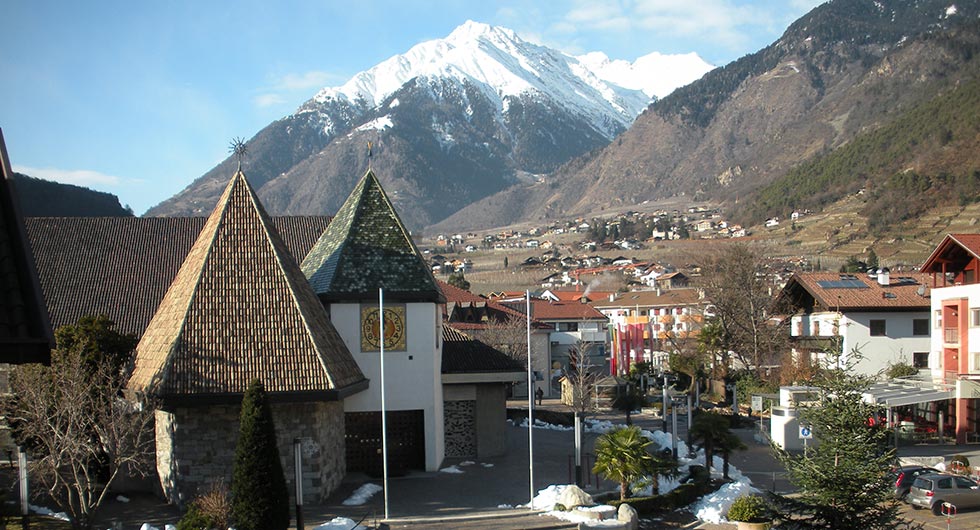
384 419
530 400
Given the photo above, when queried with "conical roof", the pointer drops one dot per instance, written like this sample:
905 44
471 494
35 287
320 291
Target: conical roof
25 332
366 247
240 309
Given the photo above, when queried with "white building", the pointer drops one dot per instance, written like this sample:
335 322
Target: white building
884 317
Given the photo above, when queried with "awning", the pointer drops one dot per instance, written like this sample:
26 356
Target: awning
896 395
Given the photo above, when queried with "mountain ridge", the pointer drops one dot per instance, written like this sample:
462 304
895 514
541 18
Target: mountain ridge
455 119
847 67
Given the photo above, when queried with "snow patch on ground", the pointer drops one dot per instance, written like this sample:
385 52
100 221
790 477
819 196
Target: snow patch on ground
547 498
339 523
362 495
712 508
41 510
451 469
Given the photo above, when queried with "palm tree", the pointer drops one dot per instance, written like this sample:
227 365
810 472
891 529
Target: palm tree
622 456
629 400
728 443
712 430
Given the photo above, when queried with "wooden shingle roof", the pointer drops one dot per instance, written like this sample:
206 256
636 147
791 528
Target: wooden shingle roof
122 266
365 248
25 332
239 309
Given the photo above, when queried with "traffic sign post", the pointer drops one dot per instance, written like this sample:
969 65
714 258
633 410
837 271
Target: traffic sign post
805 434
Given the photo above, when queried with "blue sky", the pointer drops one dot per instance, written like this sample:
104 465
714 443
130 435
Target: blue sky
141 98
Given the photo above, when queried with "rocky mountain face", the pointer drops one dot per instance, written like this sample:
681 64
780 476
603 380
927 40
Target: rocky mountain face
842 71
450 122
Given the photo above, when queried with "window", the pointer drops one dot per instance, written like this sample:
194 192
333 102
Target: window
568 326
920 326
920 359
877 328
816 328
974 317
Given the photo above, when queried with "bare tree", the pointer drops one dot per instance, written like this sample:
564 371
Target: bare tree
508 335
79 430
582 376
736 283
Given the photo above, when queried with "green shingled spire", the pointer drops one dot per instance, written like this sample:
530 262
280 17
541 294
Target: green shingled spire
367 247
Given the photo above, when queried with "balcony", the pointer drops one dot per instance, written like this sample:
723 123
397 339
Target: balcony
951 335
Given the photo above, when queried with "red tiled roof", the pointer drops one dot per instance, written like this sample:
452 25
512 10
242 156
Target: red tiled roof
901 294
455 294
665 298
458 299
954 251
575 296
546 310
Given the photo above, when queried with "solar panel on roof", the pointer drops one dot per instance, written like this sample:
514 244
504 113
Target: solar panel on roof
849 283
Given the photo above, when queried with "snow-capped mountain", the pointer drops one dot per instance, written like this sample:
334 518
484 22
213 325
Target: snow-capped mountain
454 119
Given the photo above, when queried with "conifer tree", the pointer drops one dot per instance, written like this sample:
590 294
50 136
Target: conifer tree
842 475
260 499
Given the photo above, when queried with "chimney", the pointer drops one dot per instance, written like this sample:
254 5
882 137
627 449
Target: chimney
883 276
612 297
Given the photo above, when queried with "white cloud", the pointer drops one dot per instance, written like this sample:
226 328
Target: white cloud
314 79
282 89
78 177
268 100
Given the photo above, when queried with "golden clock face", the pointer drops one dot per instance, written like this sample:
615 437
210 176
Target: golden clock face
394 332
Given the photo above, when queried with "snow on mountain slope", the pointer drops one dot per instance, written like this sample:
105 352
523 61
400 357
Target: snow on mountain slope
503 65
655 74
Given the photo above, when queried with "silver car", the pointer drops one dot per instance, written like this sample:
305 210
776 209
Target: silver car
932 490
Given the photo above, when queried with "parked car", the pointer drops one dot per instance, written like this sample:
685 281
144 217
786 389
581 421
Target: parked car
904 476
932 490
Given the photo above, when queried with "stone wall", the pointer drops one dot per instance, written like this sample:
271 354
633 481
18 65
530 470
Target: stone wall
196 446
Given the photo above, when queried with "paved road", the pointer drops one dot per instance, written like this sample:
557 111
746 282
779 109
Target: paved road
431 500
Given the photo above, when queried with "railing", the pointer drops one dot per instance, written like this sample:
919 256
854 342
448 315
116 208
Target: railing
951 335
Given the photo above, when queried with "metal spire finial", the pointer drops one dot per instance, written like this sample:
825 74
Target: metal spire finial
370 153
237 147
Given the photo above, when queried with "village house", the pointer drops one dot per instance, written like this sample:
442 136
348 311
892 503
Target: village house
953 269
642 324
495 322
884 317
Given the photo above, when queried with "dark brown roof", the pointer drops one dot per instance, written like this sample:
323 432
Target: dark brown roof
462 354
860 292
367 247
241 309
122 266
25 332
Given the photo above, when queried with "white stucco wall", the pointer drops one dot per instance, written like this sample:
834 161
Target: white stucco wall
897 345
413 378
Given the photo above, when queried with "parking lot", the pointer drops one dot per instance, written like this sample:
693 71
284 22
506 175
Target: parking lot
966 520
